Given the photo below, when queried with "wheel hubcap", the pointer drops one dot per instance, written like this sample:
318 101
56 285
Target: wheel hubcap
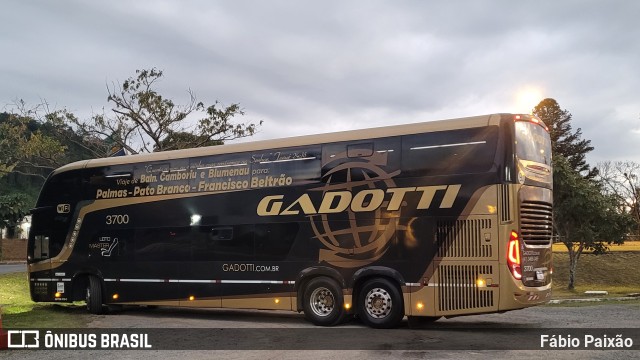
322 301
378 303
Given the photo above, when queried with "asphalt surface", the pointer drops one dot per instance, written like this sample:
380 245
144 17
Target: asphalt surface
245 334
12 268
251 334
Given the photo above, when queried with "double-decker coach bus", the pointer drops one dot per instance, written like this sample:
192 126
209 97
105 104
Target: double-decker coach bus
432 219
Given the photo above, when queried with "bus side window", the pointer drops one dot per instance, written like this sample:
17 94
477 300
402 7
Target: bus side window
223 243
360 150
161 244
294 166
344 162
273 241
462 151
97 181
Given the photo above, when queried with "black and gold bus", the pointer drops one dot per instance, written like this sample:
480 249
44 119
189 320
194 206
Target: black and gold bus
432 219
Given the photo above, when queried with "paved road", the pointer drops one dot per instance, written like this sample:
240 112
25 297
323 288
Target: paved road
235 332
11 268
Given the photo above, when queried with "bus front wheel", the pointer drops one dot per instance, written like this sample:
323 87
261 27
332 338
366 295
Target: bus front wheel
94 295
323 302
380 304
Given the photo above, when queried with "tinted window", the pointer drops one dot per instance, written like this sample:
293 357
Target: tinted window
162 178
274 241
221 173
360 161
115 245
223 243
163 244
449 152
360 150
40 248
110 182
291 166
63 188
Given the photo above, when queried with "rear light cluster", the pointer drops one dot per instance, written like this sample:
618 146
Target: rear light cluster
513 256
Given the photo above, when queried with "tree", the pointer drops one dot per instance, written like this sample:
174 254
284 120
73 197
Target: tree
621 179
35 140
13 208
181 140
142 120
62 125
564 140
584 217
25 153
31 146
24 148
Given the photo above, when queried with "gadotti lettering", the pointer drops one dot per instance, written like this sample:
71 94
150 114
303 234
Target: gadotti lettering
362 201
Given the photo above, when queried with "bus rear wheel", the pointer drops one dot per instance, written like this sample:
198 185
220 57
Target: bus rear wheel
380 304
323 303
94 295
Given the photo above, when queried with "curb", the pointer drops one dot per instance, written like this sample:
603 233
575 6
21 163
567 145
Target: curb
561 301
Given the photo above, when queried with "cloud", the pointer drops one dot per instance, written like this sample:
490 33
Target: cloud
308 67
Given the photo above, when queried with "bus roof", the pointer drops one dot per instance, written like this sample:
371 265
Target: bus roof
350 135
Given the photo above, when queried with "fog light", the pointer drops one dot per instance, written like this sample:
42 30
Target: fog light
419 306
277 301
191 298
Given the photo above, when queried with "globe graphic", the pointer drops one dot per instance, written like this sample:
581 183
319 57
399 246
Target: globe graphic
349 238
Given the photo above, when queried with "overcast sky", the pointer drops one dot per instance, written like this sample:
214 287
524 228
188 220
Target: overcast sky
308 67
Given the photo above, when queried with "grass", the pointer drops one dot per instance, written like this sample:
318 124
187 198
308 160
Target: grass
14 293
615 272
18 311
627 246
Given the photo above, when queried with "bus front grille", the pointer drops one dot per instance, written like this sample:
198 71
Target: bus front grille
536 222
458 289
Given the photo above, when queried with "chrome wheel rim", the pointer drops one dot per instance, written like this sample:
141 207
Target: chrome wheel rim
378 303
322 301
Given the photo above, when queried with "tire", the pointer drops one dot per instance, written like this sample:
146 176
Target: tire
323 303
94 295
380 304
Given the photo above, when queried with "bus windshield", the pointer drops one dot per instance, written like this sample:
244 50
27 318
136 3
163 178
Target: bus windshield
532 143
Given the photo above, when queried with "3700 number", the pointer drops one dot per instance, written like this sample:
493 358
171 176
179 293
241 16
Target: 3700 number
117 219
